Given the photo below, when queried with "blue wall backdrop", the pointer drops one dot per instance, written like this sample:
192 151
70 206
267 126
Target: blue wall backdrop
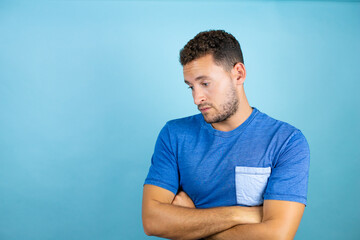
86 86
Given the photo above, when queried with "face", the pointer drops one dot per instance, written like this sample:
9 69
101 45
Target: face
212 88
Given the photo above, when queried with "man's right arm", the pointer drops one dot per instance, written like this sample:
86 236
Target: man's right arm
163 219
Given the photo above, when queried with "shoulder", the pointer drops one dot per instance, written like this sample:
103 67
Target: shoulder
185 123
179 131
279 134
182 128
266 124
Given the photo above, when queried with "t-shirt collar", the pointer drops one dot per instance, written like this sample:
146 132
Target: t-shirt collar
233 132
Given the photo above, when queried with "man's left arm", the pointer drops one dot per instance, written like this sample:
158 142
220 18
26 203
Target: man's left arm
281 220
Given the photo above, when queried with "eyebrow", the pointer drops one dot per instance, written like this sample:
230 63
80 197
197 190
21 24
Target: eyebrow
202 77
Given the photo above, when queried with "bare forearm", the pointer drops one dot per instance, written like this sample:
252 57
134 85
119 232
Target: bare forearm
271 229
281 221
175 222
246 231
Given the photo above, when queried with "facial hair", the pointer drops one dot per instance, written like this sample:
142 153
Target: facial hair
226 109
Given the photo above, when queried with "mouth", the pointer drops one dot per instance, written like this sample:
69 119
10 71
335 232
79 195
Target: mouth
204 109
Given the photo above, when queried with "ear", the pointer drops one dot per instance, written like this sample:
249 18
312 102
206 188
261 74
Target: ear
238 73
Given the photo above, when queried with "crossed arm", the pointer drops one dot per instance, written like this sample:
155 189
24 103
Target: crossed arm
280 221
175 217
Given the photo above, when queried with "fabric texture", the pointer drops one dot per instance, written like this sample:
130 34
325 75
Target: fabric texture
261 159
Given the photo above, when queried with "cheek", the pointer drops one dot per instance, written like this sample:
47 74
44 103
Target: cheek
219 96
213 94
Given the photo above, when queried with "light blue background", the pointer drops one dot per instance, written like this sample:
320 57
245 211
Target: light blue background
86 86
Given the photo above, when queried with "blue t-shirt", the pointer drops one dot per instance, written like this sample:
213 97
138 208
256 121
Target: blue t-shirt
261 159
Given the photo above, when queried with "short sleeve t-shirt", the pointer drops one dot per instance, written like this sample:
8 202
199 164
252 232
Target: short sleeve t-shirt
261 159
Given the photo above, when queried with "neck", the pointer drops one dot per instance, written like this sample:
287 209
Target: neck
243 112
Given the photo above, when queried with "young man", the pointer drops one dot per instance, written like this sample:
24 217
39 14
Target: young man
231 172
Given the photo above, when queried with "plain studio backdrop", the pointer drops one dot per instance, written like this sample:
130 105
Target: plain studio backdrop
86 86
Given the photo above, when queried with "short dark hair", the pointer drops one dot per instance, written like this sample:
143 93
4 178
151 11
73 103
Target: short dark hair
223 46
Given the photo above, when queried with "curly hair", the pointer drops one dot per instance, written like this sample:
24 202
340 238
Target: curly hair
223 46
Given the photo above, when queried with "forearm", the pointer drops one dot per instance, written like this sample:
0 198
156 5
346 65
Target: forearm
281 220
175 222
247 231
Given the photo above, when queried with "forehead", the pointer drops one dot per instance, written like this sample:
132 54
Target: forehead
203 66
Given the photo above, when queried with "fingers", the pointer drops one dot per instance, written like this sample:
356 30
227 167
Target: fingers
182 193
182 199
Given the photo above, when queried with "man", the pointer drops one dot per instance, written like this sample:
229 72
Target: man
231 172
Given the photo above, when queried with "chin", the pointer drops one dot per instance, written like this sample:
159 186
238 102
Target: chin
208 119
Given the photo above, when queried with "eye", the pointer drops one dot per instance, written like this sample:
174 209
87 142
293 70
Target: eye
190 87
205 84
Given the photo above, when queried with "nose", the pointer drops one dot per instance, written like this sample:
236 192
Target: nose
198 96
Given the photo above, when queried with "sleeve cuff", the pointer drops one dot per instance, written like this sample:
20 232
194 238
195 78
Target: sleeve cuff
292 198
162 185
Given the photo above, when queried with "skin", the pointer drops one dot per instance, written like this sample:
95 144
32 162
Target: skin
211 86
172 216
280 221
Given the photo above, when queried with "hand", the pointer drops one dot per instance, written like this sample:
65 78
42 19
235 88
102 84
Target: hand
183 200
249 215
257 214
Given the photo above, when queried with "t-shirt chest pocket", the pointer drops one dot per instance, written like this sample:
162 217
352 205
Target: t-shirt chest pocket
250 184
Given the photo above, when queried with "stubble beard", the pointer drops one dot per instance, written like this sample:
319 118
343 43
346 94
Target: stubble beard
227 109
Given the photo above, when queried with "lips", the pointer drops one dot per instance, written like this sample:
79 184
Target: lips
204 109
